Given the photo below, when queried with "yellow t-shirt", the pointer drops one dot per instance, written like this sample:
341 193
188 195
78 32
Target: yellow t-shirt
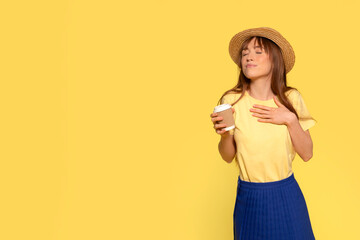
264 151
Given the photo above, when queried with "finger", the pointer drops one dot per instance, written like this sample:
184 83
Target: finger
220 131
217 126
254 110
277 101
213 114
216 119
262 107
264 120
263 116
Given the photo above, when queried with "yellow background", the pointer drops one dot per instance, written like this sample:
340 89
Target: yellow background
105 126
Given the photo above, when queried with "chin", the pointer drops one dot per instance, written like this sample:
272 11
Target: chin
254 75
251 76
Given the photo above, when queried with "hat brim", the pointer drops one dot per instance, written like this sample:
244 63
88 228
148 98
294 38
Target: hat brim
286 49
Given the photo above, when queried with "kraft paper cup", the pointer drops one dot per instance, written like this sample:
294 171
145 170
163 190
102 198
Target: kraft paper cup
224 110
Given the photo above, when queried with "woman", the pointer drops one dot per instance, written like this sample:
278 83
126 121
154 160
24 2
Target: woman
271 125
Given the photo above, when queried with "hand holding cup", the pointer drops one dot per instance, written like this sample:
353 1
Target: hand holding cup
223 119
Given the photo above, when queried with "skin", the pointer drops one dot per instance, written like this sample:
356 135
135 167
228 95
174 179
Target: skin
260 76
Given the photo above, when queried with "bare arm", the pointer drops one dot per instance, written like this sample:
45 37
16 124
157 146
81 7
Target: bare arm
227 147
301 139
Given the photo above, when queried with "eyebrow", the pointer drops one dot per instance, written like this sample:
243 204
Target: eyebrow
254 48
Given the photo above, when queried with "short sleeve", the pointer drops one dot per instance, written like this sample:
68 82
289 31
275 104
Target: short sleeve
226 99
305 119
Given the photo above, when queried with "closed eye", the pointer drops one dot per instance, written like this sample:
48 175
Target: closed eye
246 53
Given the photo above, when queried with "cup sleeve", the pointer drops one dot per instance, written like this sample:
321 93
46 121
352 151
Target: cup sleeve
227 99
305 119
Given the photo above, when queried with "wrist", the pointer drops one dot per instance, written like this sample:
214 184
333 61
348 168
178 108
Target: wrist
291 119
226 135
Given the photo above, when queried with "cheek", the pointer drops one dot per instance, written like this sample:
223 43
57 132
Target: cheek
265 62
243 65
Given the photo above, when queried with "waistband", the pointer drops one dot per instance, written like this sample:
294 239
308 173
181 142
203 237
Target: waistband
263 185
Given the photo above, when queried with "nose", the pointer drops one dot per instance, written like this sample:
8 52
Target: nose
249 57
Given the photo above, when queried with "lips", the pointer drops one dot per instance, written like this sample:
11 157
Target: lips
250 65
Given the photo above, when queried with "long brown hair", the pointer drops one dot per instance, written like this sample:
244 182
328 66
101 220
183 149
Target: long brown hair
278 78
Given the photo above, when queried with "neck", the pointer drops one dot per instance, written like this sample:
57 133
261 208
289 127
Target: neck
261 89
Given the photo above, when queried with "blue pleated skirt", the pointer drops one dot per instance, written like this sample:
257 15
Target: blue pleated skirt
271 211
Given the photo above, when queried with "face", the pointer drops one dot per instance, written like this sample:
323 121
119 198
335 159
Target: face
255 62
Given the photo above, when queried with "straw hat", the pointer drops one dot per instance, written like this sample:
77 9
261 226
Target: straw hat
286 49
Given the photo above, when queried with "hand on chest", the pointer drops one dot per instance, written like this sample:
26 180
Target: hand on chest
252 131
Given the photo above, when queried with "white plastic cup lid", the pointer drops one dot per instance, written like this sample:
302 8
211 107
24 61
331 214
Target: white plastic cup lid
222 107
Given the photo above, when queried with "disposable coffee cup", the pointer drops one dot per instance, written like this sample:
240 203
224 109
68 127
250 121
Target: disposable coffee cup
224 110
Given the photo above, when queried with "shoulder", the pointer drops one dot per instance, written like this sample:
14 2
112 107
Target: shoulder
292 92
293 95
230 97
233 93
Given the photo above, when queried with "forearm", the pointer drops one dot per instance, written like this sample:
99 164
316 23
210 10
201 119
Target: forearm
301 140
227 147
